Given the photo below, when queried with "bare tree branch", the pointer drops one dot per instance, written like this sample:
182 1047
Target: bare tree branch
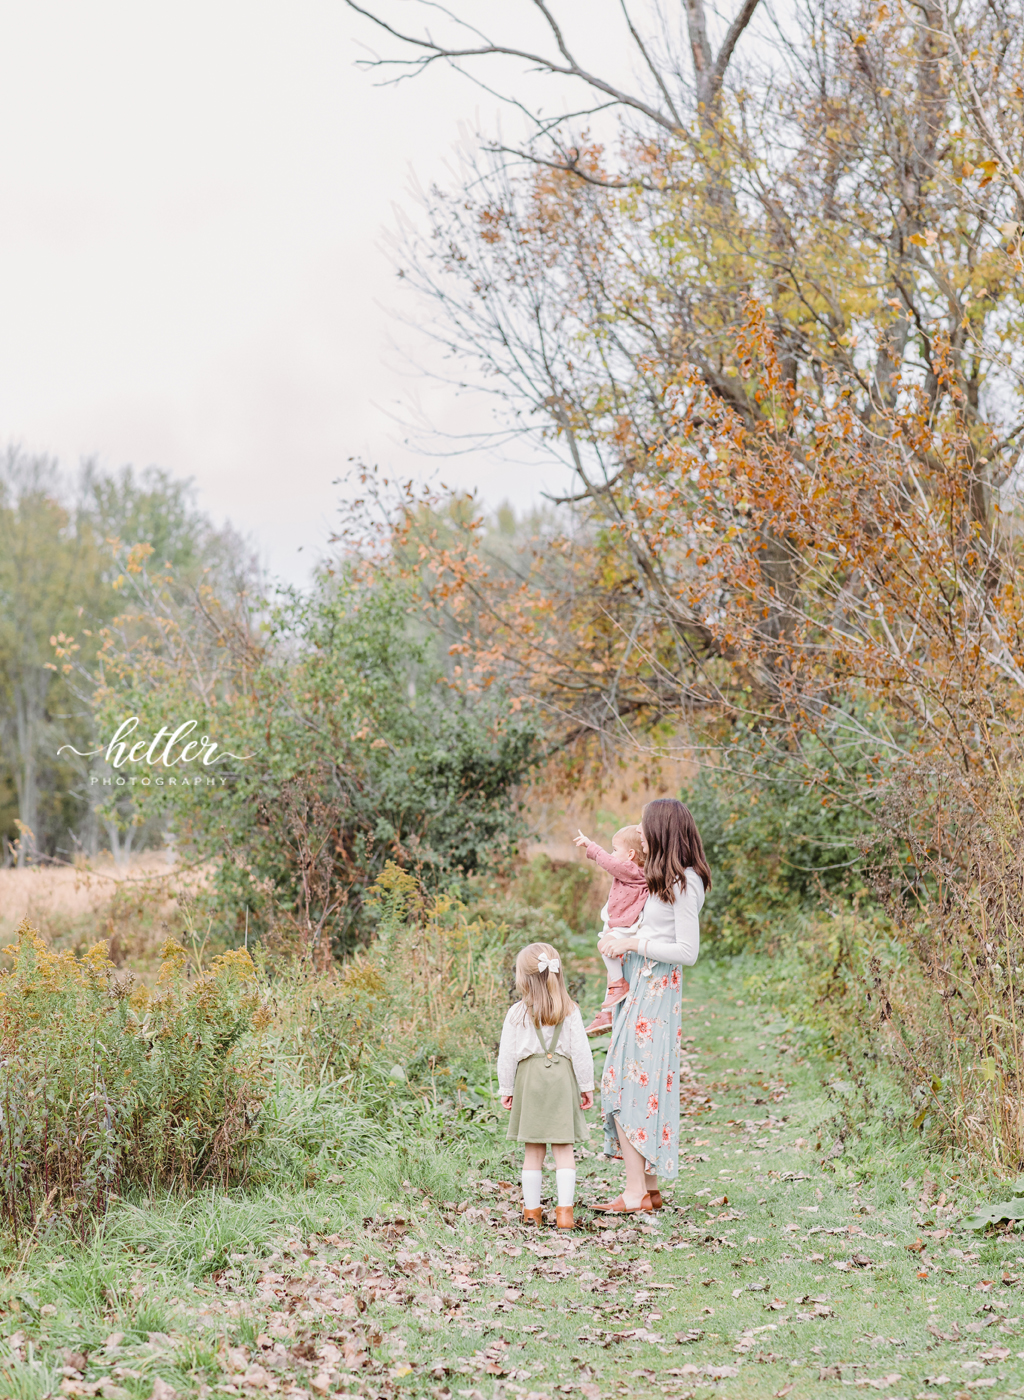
989 132
710 71
570 69
729 43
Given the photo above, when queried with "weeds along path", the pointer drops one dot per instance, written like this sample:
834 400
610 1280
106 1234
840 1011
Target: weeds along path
768 1274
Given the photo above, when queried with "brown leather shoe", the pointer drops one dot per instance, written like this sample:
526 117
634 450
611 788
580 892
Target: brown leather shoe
563 1218
619 1207
533 1217
656 1202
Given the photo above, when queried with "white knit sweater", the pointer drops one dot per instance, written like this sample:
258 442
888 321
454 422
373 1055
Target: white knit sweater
670 933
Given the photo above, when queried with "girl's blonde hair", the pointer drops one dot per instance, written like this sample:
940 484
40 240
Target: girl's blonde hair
634 843
544 994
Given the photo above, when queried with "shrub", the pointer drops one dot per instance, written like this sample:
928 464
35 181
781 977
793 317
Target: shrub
571 891
105 1085
410 1021
775 844
350 749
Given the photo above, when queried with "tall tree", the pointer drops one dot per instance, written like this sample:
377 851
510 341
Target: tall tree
48 568
851 186
61 542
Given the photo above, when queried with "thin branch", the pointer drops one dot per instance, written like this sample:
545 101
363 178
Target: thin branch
571 69
729 43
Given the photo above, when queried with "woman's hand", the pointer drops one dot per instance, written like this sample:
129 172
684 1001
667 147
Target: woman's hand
579 839
506 1102
611 947
587 1100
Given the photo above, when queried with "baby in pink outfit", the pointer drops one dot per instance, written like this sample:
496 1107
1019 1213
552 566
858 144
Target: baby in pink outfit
621 914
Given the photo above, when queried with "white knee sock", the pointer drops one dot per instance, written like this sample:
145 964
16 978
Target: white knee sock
565 1180
531 1189
614 966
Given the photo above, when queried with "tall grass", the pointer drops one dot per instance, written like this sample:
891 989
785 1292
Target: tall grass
106 1085
265 1071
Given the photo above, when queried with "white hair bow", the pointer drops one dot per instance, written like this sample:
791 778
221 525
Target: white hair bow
546 964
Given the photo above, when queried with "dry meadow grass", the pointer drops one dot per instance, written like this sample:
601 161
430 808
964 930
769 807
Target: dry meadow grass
132 906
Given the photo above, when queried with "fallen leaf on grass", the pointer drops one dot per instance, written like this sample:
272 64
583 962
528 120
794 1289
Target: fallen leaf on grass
878 1383
161 1390
713 1373
829 1373
953 1335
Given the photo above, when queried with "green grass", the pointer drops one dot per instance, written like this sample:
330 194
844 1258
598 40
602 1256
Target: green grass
409 1276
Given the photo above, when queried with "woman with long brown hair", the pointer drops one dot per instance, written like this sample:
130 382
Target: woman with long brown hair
640 1085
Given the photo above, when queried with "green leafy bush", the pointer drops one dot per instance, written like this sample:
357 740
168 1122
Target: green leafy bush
412 1020
105 1085
356 750
774 843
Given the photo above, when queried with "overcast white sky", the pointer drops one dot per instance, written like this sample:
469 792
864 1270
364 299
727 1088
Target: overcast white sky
191 270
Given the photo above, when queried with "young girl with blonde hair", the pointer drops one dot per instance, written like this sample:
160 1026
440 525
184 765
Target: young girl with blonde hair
546 1078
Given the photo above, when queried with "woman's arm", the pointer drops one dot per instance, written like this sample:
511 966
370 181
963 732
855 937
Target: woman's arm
685 946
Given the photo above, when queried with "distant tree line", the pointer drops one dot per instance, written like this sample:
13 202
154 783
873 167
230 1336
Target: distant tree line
60 537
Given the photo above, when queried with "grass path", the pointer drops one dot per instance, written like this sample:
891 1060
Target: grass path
768 1274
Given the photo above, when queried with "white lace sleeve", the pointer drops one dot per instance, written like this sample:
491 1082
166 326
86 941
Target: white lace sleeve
508 1061
582 1059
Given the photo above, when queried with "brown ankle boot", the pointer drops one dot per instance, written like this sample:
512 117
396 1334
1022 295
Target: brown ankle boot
563 1218
533 1217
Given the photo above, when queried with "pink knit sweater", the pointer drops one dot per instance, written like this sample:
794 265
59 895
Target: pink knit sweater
628 893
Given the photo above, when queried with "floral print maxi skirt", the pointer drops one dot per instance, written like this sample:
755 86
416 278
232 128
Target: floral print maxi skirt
640 1084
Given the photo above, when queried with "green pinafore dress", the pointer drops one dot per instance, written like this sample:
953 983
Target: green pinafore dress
546 1097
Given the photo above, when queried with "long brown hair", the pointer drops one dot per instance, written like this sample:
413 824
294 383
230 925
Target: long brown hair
544 994
673 844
